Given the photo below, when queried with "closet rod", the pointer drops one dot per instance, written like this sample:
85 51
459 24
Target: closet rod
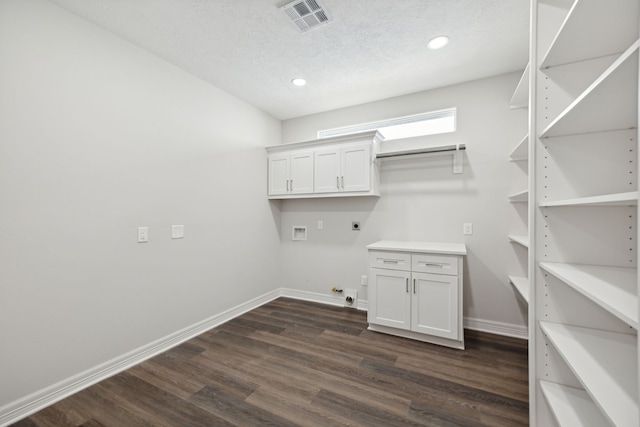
427 150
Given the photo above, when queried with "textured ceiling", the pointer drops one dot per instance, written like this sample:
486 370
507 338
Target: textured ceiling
371 50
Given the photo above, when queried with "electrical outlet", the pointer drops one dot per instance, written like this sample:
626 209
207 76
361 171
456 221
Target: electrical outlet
143 234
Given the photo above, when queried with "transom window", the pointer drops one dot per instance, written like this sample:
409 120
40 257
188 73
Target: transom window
431 123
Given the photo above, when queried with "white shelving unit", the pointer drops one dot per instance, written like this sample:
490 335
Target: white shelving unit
521 284
521 152
520 98
612 288
572 406
600 361
520 156
629 198
613 87
576 39
519 197
520 239
583 200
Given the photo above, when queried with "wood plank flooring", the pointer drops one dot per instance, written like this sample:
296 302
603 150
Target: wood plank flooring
296 363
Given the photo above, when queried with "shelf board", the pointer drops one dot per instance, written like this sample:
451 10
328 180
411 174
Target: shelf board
520 98
572 406
609 103
606 363
576 39
612 288
521 240
519 197
522 286
620 199
521 152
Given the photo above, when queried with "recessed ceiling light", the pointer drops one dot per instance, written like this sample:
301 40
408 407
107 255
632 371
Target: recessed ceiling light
299 81
438 42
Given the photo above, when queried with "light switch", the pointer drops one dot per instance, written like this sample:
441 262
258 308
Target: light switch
177 231
467 228
143 234
320 225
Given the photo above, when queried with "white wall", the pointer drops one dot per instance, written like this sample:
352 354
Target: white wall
422 200
98 137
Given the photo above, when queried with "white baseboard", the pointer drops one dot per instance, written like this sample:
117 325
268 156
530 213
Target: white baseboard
498 328
337 300
34 402
489 326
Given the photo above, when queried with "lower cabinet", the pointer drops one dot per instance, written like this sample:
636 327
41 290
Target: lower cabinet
434 305
417 294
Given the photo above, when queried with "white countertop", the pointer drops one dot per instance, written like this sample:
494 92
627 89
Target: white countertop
426 247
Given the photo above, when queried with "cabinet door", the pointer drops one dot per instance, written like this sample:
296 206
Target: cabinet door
356 168
434 305
327 171
390 298
301 172
278 174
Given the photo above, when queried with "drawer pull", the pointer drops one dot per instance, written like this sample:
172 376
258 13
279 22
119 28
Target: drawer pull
407 287
390 261
414 286
433 264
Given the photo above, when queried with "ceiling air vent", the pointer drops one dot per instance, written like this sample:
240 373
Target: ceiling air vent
306 14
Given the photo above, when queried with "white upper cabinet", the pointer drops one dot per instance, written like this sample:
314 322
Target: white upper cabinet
343 169
291 173
279 174
301 172
330 167
355 164
327 174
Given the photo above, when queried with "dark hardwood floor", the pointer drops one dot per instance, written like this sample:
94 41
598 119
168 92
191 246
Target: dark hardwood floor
292 362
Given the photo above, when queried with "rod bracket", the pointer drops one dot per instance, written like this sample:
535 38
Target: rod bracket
457 160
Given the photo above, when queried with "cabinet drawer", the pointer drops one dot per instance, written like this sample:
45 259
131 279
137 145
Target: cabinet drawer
390 260
436 264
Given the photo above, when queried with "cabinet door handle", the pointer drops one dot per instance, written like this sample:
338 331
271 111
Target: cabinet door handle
407 286
414 286
338 182
291 185
287 185
343 182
